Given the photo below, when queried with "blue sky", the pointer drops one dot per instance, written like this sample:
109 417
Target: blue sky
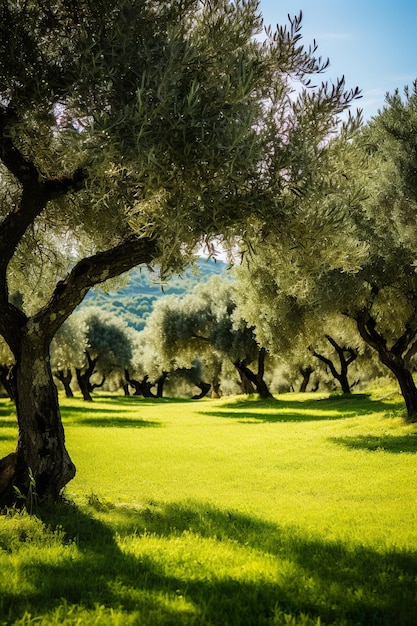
373 44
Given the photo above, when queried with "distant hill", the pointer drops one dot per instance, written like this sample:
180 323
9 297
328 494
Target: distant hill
134 300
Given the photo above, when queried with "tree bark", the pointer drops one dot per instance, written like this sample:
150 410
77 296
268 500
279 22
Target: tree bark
246 384
205 388
142 388
5 373
341 351
84 378
160 384
306 374
41 454
215 388
65 377
255 379
396 358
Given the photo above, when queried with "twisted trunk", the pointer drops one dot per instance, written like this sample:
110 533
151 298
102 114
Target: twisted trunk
346 356
306 374
204 389
255 379
65 377
41 456
142 387
41 461
160 384
396 358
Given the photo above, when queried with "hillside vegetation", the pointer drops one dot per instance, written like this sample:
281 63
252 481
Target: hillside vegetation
134 298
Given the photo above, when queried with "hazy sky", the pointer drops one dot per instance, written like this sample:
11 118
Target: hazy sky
372 43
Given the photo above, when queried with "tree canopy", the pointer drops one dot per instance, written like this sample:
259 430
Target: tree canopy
360 261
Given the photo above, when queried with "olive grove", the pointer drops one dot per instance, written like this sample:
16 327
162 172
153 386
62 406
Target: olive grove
130 132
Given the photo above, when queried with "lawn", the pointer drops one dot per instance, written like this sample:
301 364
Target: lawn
298 510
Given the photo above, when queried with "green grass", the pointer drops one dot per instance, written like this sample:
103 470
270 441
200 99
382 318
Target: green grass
298 510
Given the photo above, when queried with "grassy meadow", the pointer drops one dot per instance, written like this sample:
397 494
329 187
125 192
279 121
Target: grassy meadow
299 510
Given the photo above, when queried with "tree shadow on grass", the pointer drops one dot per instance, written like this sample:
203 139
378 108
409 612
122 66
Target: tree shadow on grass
250 417
117 422
104 417
395 444
8 423
337 583
137 400
7 437
7 409
334 407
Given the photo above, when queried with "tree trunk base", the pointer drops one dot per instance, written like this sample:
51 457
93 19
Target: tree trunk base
7 473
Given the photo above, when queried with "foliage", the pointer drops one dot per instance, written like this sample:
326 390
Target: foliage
69 344
107 339
204 323
354 255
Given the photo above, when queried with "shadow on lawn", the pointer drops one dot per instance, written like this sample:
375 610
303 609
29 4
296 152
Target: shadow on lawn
7 409
117 422
327 580
136 401
310 410
7 423
402 444
103 417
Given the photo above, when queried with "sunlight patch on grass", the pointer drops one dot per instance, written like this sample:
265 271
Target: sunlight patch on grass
316 474
300 510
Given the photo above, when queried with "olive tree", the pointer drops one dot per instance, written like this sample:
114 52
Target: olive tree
130 132
107 351
204 324
294 329
381 296
361 261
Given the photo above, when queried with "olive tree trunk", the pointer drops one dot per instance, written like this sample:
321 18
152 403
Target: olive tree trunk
256 379
396 358
65 377
41 462
41 455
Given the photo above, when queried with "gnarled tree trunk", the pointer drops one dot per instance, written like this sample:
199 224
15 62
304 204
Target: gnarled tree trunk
83 377
204 387
160 384
346 356
397 358
41 454
65 377
256 379
41 451
306 374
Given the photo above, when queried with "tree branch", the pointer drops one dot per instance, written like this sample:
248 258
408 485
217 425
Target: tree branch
24 170
36 191
402 344
327 362
91 271
34 197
